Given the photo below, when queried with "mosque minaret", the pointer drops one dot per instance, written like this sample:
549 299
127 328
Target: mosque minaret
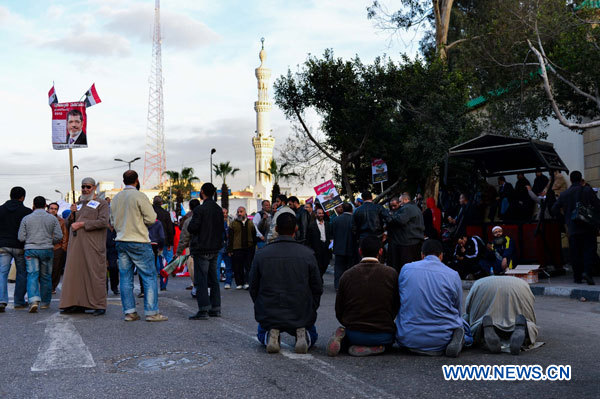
263 142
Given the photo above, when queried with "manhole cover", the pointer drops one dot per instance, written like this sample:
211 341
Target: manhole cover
151 362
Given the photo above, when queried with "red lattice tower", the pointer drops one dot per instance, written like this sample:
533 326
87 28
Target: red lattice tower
155 160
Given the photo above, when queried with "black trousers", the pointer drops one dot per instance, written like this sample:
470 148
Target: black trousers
58 265
582 250
241 260
342 263
113 270
400 255
323 256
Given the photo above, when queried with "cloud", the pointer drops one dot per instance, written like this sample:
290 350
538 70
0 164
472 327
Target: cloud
179 30
91 44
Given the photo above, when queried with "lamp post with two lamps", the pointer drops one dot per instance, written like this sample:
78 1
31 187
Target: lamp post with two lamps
128 162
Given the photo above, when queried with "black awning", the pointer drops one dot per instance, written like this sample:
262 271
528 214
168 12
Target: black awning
499 155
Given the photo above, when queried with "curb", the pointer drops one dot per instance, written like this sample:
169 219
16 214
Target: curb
562 291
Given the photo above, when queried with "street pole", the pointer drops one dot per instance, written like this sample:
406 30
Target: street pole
128 162
212 151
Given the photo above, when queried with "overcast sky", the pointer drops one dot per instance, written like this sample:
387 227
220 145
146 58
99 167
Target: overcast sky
210 50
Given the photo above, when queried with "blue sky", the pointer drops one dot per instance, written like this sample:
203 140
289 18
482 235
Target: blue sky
210 50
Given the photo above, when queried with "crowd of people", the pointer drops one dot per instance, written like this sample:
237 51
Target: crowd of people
392 285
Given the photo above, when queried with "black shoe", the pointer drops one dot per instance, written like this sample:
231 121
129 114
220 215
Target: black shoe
588 279
518 336
492 341
99 312
73 310
163 289
201 315
214 313
456 343
116 292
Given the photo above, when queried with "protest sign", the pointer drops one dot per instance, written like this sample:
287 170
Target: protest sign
379 171
69 124
328 195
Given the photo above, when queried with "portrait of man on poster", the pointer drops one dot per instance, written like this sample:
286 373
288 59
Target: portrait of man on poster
75 134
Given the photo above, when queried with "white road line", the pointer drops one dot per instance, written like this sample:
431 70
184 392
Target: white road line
62 347
340 377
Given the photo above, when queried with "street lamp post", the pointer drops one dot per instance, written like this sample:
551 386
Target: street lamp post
128 162
211 164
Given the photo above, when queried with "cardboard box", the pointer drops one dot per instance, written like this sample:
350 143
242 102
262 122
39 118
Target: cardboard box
529 273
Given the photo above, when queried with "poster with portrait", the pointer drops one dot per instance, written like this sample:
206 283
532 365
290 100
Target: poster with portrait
69 124
379 171
328 195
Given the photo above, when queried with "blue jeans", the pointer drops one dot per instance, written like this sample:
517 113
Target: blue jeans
224 257
311 335
141 256
39 274
369 339
6 257
205 276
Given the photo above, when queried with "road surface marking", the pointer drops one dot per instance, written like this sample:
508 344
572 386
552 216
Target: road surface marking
62 347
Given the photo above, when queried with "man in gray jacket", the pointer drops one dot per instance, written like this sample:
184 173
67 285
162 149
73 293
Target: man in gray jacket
39 231
406 231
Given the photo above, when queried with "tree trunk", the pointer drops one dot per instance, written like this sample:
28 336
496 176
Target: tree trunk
225 196
275 192
345 178
432 184
442 10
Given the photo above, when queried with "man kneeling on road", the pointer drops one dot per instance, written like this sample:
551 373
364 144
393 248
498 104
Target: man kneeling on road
366 304
286 287
429 321
501 314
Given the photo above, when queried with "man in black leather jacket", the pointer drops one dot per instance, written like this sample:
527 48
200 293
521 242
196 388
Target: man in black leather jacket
370 218
206 228
302 218
286 287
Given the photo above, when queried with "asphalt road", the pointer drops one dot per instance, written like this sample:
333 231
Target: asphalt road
48 355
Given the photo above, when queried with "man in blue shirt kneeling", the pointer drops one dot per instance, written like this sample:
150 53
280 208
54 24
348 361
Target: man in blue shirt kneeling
429 321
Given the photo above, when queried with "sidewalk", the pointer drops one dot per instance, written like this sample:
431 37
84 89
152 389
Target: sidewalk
560 286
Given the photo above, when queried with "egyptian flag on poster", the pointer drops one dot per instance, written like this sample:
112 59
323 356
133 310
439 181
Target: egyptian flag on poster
91 96
52 98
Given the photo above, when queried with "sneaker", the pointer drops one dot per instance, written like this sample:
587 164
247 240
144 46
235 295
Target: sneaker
246 286
238 287
157 317
132 316
34 307
456 343
361 351
227 286
492 341
273 342
301 341
2 307
44 306
518 336
335 342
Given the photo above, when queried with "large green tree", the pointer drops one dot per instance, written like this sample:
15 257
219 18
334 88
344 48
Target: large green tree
223 170
407 113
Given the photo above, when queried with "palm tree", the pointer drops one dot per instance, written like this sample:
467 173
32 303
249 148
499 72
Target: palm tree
276 173
181 184
224 169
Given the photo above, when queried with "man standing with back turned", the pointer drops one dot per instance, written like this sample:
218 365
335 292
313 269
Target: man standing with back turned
206 228
131 214
11 214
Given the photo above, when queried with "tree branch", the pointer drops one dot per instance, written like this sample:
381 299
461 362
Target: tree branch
315 142
388 190
563 121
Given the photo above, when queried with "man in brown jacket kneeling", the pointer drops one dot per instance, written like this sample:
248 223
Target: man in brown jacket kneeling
366 305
